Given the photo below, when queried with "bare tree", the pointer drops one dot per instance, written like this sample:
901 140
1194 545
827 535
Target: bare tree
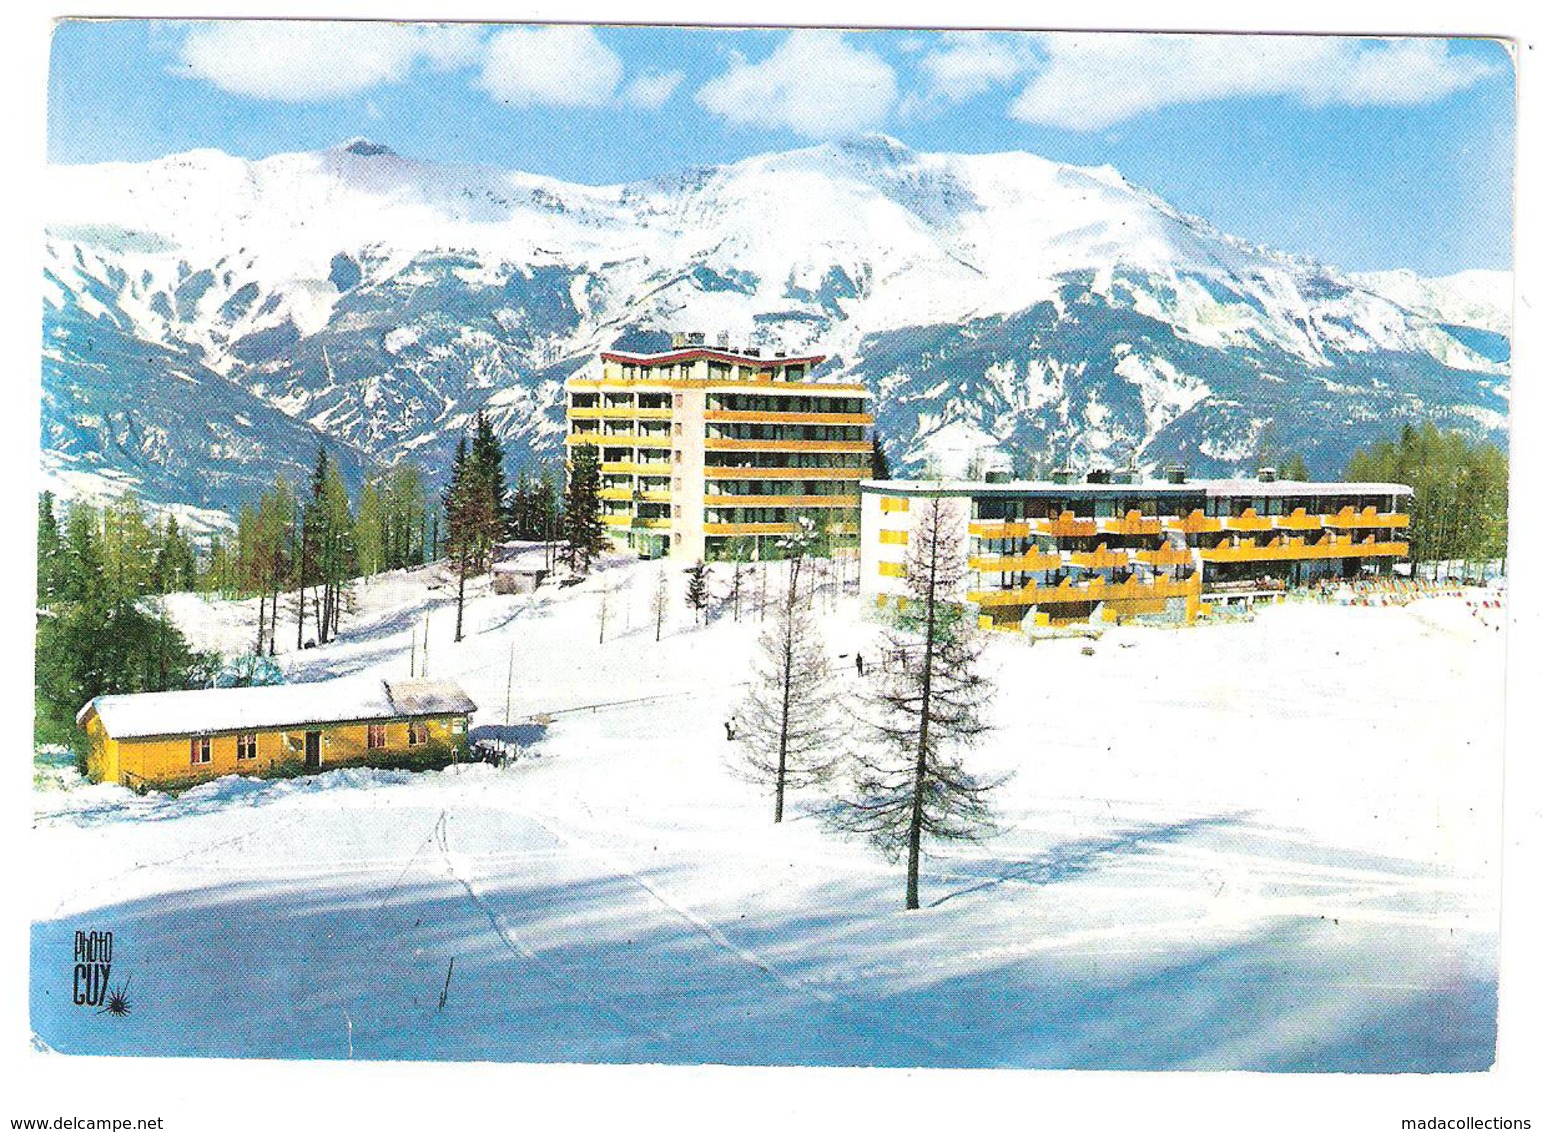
603 611
658 604
905 784
785 721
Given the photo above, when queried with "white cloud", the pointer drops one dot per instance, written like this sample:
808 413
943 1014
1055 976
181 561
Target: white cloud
651 89
305 61
1090 82
552 66
815 84
970 63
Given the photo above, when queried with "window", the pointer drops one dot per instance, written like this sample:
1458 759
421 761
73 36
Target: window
417 733
375 738
201 750
246 746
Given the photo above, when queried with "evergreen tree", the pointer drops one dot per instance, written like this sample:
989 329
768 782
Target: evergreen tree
905 784
583 529
785 723
459 502
1460 503
50 551
493 513
1293 467
698 590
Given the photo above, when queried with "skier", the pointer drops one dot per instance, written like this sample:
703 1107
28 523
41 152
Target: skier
859 664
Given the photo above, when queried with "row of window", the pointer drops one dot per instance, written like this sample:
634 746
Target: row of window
759 403
787 460
1116 507
780 487
202 746
749 430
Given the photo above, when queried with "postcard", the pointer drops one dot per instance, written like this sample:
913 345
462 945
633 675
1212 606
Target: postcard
688 545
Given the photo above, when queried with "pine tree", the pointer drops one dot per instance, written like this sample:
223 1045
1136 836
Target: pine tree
583 528
459 504
785 723
492 512
50 551
697 590
1293 467
905 785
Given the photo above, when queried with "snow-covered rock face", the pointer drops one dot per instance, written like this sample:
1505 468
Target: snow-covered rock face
994 301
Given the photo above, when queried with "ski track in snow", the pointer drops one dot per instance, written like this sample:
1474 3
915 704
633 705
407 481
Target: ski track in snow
460 872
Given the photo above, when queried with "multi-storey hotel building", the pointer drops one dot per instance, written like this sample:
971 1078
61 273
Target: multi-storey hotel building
709 451
1040 552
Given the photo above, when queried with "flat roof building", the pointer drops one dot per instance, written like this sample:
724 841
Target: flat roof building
1119 546
704 450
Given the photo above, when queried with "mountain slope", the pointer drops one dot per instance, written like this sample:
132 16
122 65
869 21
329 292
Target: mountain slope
996 302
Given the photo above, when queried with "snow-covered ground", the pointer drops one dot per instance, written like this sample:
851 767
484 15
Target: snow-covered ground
1269 845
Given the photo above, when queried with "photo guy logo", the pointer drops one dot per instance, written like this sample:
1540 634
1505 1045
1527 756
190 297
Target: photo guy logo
93 969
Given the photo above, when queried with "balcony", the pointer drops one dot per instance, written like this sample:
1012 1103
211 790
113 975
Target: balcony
1249 520
1068 525
727 444
1196 523
749 528
1101 559
1370 517
1032 561
716 472
1299 520
1165 555
782 500
1299 549
777 417
1133 523
1160 588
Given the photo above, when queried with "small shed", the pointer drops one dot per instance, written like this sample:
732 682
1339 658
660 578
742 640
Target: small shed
176 739
520 572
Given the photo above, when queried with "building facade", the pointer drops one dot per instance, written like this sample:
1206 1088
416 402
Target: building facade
710 452
1060 551
172 740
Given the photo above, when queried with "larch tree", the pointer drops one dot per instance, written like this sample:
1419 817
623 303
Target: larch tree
658 604
786 730
906 783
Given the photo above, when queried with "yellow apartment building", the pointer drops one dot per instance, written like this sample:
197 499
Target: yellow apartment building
176 739
1115 546
710 451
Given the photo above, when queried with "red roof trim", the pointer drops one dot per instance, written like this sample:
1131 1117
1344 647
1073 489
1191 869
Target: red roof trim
696 353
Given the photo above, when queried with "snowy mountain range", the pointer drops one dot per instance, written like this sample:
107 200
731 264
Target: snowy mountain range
209 320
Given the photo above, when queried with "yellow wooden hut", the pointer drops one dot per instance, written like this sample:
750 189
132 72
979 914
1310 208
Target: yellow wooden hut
176 739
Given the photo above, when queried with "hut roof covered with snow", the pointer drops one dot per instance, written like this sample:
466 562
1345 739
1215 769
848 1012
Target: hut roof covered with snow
282 705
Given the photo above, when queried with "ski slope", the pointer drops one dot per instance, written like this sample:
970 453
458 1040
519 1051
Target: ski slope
1268 845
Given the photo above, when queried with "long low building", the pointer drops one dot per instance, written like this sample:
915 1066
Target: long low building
1115 546
177 739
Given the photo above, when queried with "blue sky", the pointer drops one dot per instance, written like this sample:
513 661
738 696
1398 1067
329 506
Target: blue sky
1364 153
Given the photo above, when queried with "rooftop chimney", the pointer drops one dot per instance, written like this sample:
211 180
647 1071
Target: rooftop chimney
1177 473
1267 475
998 475
1098 475
1062 475
1127 475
